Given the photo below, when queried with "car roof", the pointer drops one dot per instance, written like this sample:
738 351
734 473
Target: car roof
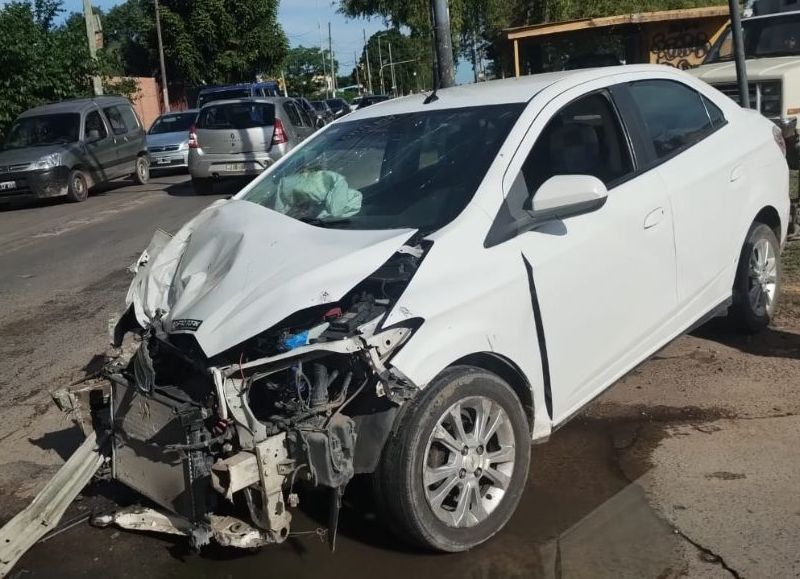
75 105
505 91
268 100
224 87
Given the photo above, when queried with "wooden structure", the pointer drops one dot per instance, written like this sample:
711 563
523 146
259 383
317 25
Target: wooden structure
680 38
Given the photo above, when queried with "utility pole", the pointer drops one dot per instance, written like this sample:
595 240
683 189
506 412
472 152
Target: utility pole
738 53
366 57
391 67
91 36
164 90
324 64
333 65
380 59
444 48
358 77
475 54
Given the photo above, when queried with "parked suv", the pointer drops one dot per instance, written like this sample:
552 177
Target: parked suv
235 138
772 52
66 148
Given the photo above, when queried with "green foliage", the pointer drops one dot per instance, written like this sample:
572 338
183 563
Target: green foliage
39 61
303 70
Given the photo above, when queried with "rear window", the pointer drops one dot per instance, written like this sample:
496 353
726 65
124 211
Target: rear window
221 95
237 116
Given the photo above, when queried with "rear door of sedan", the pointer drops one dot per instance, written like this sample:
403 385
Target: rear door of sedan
602 283
695 151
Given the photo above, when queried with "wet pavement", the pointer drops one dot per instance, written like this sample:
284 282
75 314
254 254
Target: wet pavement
580 517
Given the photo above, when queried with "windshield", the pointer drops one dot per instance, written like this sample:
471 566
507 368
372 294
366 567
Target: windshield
43 130
178 123
221 95
415 170
763 37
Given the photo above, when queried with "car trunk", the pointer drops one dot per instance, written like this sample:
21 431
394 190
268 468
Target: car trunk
242 127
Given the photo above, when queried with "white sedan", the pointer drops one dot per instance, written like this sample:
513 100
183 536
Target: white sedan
425 287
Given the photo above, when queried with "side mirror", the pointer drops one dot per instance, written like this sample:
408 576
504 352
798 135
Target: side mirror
319 123
567 195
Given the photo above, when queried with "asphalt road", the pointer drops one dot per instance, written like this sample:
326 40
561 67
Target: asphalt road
686 468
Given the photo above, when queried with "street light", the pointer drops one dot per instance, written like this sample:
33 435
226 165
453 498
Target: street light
393 64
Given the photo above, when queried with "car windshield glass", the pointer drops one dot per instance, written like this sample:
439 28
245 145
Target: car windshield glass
173 123
763 38
43 130
221 95
414 170
236 116
318 105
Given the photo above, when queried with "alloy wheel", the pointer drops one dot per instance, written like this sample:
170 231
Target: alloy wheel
763 277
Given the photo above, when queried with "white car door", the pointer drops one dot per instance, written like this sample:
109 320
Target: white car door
602 283
695 156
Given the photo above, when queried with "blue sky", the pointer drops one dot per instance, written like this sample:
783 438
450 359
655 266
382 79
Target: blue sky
303 20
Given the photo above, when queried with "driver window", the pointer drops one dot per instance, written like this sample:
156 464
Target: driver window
583 138
93 127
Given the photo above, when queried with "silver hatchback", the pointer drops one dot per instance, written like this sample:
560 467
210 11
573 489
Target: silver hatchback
242 137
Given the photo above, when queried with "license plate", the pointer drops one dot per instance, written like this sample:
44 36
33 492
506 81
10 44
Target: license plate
234 167
164 160
8 185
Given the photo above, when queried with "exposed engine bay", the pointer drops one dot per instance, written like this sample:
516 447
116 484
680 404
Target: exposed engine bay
223 442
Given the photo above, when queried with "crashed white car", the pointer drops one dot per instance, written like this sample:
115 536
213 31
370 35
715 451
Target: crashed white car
424 288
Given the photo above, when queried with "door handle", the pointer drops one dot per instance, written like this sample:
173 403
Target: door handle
736 173
654 217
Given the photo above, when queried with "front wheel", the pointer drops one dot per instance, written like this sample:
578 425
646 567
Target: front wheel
757 285
454 472
77 187
142 173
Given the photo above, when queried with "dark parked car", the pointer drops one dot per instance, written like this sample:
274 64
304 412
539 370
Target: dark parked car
67 148
371 99
339 107
323 111
310 111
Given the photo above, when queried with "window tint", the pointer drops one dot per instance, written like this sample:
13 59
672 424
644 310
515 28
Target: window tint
293 114
304 115
115 120
236 116
584 138
674 114
131 120
93 127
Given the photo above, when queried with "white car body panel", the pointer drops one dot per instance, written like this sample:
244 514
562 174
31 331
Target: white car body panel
610 291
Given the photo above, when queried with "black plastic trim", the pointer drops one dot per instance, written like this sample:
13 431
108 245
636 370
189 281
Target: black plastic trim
537 317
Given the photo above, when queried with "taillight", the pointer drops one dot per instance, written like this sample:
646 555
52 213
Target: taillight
779 140
279 136
193 144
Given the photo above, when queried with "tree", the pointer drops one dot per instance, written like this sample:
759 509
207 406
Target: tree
410 76
39 62
304 70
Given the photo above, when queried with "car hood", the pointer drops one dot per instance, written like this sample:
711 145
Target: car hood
239 268
29 154
164 139
757 69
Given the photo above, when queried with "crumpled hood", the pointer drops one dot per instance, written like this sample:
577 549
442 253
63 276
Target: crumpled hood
239 268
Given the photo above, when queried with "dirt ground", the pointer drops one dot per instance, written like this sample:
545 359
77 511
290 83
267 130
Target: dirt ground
688 467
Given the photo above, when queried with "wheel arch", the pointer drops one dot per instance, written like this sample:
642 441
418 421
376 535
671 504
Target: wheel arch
509 372
770 217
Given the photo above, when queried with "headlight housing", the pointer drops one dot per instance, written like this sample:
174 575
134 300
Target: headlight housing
50 161
770 98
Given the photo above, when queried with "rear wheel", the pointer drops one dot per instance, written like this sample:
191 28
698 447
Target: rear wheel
453 474
202 186
757 285
77 187
142 173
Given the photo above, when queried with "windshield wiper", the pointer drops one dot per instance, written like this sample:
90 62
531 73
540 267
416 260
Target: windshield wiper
320 222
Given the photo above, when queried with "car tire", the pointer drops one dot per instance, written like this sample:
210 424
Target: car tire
202 186
468 499
756 288
77 186
141 173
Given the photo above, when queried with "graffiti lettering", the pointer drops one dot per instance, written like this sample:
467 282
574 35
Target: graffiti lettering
681 47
